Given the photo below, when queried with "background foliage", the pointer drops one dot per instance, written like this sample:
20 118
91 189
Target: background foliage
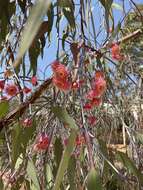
49 139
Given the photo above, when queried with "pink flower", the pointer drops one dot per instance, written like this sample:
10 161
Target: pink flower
27 122
26 90
87 106
34 81
115 51
11 90
42 142
92 120
63 85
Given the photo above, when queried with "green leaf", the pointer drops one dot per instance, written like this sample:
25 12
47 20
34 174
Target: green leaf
34 52
20 139
4 107
65 3
31 172
58 150
16 143
94 181
63 116
49 176
71 173
1 184
139 137
50 15
130 166
31 28
69 14
68 10
65 159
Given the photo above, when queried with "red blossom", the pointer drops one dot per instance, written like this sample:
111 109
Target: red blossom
26 90
99 84
92 120
96 101
115 51
60 78
59 70
2 84
77 84
11 89
42 142
63 85
27 122
88 106
80 140
34 81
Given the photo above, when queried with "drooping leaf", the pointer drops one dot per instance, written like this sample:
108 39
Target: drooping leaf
94 180
58 150
65 159
50 15
16 143
32 174
20 139
34 52
71 173
49 176
63 116
130 166
65 35
7 9
31 28
68 10
4 107
1 184
139 137
107 6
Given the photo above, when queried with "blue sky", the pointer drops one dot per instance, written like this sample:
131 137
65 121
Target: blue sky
50 49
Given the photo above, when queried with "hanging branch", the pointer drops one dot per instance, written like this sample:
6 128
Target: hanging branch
18 112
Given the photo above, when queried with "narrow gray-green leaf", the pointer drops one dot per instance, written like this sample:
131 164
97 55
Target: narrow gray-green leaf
65 159
4 106
63 116
93 180
31 28
31 171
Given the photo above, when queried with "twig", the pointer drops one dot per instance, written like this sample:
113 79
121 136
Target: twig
10 117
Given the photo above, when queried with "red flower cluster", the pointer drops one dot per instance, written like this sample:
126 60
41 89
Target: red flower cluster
80 140
116 54
11 89
34 81
42 142
92 120
77 84
94 96
60 78
27 122
26 90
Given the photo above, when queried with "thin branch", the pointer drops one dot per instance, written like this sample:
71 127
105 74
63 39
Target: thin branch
18 112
